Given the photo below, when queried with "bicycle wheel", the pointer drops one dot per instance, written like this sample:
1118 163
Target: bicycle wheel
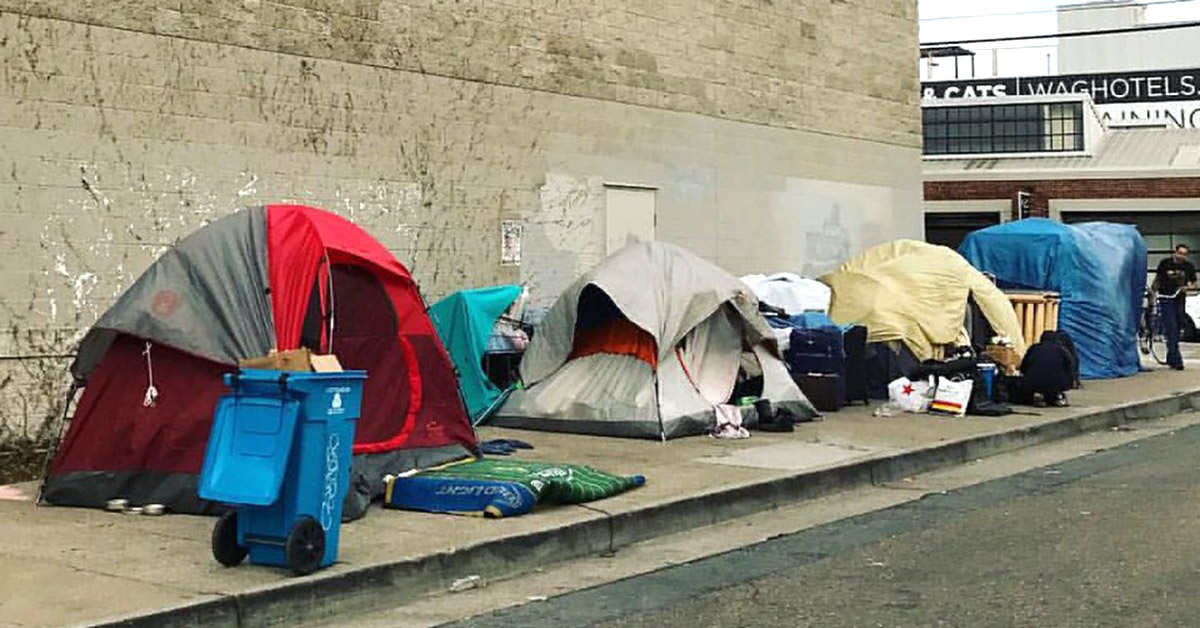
1145 335
1158 343
1158 349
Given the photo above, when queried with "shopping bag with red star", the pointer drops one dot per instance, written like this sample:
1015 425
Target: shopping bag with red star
909 395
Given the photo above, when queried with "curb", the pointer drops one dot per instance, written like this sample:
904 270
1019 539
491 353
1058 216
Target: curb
325 597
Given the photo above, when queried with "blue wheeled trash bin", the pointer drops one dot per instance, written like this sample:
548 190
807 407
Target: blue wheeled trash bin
279 453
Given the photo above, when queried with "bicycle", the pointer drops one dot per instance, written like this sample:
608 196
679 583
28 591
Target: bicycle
1151 337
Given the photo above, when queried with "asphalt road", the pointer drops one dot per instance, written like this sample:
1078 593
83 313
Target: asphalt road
1110 539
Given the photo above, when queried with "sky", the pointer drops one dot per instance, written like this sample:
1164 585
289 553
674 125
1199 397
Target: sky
1013 58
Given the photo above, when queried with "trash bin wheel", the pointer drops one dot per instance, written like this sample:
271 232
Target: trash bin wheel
305 546
225 546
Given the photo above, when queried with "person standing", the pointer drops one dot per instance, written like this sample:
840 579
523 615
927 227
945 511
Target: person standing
1173 277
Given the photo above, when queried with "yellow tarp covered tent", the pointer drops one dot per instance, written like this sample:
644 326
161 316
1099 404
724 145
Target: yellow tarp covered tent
916 293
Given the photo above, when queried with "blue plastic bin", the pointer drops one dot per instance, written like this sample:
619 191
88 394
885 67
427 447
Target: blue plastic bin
988 372
280 452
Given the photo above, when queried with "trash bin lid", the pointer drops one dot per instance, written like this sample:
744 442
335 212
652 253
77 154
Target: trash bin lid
248 449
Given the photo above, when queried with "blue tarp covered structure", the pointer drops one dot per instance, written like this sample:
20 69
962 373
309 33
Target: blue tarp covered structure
1098 268
464 321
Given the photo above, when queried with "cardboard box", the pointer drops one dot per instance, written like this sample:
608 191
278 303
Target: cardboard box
1005 357
293 360
325 363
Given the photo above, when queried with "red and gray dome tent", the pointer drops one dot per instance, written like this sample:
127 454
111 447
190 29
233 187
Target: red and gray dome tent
275 277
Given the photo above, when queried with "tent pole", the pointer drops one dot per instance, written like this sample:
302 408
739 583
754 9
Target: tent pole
52 451
662 433
330 319
462 399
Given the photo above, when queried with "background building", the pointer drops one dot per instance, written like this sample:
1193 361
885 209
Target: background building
482 142
1050 156
1146 77
1120 52
1114 136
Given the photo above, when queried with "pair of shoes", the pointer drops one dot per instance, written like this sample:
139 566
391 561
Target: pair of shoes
774 419
781 422
1039 403
1061 402
1176 367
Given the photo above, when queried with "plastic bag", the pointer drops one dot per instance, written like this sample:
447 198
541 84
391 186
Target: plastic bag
952 396
910 396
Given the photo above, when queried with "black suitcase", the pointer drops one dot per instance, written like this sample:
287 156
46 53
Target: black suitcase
824 390
854 374
816 350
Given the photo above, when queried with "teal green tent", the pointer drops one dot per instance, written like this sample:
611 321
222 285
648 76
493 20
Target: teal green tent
464 321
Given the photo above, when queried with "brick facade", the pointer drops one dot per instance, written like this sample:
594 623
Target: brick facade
1045 190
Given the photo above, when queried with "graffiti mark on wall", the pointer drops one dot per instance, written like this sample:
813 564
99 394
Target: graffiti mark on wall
564 238
828 245
838 220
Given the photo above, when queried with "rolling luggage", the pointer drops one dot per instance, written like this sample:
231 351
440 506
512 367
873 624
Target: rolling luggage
824 390
816 350
854 375
817 359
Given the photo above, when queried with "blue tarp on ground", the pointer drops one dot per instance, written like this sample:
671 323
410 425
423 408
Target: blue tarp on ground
1098 268
464 321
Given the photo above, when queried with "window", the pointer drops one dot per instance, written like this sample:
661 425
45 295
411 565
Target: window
1064 126
981 129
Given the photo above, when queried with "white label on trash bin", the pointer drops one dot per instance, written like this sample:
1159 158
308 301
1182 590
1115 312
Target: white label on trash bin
329 499
335 406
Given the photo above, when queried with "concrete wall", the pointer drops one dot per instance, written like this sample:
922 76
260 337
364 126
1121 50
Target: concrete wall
778 135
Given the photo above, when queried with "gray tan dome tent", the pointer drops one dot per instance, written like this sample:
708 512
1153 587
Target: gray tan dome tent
643 345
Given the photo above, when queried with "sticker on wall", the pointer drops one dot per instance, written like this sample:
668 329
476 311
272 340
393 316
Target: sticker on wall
510 243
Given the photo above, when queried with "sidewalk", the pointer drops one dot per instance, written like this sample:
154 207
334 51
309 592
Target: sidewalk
66 566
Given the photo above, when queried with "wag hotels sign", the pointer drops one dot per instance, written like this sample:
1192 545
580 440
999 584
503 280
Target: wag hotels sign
1168 98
